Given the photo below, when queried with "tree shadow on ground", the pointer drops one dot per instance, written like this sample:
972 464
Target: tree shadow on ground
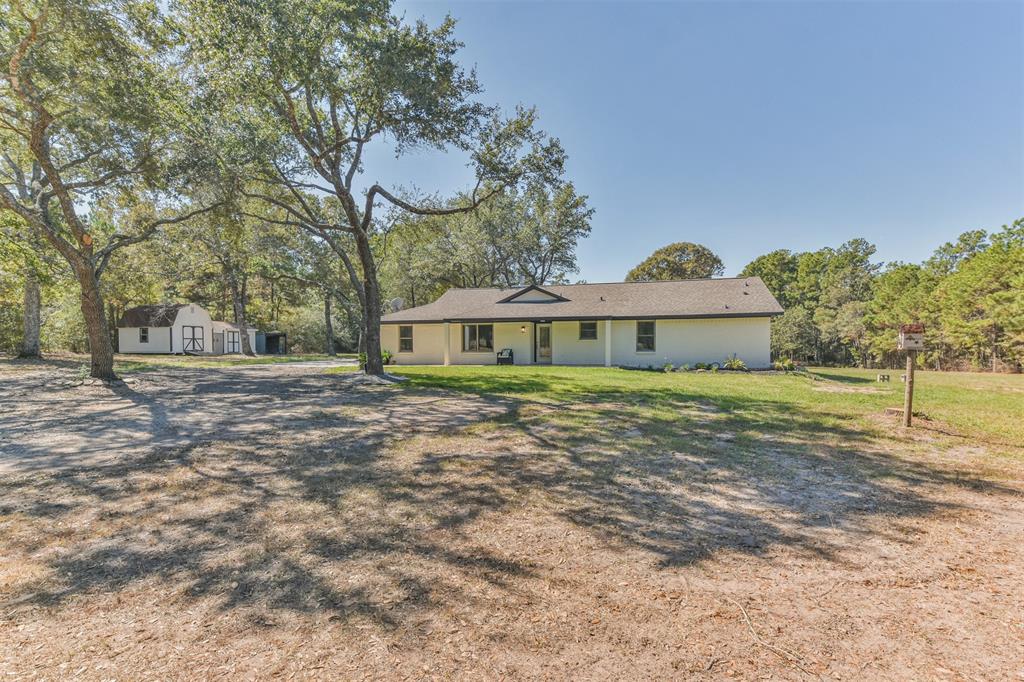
376 508
850 379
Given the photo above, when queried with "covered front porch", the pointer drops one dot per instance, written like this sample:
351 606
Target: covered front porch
478 342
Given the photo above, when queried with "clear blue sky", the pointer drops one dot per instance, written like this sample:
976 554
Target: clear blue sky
754 126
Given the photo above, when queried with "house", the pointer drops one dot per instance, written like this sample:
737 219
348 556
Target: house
178 328
630 324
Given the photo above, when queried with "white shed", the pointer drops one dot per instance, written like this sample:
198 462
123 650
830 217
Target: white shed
227 337
177 328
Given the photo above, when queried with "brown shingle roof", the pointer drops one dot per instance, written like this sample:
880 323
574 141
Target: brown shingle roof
159 315
733 297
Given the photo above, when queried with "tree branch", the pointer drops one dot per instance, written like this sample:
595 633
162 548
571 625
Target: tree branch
475 201
120 241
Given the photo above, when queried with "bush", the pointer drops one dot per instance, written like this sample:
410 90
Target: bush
385 356
702 365
668 367
735 364
684 368
784 365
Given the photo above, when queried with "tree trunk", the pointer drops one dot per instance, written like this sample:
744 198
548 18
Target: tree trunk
238 304
94 312
112 318
328 326
371 311
31 318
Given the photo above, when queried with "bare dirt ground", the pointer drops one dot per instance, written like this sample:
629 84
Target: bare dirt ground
273 522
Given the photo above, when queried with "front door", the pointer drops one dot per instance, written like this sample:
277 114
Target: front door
192 339
543 344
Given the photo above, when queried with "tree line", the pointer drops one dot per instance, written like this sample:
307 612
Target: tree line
214 151
842 308
123 121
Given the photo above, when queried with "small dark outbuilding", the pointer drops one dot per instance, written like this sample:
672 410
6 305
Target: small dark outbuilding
274 343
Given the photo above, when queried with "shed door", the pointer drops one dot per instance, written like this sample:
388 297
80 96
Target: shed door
192 339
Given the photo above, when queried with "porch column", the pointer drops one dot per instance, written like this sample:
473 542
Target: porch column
447 343
607 343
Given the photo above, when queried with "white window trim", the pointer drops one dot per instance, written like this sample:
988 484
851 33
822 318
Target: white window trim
412 344
636 337
477 324
143 329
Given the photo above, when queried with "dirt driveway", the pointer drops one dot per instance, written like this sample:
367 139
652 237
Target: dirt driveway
50 420
275 522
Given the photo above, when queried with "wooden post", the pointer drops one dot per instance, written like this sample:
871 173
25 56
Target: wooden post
908 391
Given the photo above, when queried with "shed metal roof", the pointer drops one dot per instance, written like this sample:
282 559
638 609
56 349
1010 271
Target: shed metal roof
694 298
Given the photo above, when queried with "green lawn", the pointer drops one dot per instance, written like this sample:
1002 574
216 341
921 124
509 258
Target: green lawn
125 364
983 407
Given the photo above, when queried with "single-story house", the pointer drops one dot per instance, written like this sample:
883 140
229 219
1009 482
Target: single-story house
178 328
627 324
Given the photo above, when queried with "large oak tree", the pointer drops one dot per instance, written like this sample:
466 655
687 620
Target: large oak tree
311 83
681 260
92 109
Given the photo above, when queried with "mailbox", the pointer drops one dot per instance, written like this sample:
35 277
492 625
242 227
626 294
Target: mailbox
911 337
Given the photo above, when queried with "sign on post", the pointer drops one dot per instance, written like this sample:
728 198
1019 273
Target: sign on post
911 340
911 337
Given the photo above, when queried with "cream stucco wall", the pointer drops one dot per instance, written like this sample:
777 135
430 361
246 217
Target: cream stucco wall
676 341
506 335
568 349
691 341
427 344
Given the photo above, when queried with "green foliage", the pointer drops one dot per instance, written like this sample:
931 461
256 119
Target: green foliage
385 356
784 365
778 271
518 237
682 260
841 308
734 363
794 334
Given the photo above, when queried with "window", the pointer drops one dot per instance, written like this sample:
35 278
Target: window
645 336
405 338
233 345
478 338
588 331
143 334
